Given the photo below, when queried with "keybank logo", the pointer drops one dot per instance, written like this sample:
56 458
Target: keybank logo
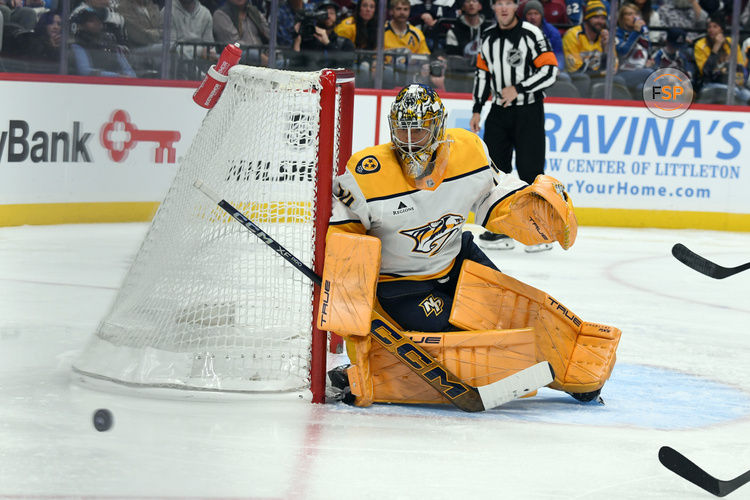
119 135
21 142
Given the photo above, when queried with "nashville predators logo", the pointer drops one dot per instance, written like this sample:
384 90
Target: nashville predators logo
431 237
367 165
432 305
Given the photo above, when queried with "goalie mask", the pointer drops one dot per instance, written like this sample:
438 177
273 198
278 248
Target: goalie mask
417 121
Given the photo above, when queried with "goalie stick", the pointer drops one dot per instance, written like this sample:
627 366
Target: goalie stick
703 265
685 468
459 393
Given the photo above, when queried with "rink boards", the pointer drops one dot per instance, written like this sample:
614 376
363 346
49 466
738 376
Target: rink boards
68 158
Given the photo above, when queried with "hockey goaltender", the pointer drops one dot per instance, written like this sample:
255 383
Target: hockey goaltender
395 245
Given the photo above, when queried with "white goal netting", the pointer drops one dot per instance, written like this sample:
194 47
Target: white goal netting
206 305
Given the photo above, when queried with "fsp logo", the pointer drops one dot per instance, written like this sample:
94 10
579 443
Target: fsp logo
667 92
432 305
431 237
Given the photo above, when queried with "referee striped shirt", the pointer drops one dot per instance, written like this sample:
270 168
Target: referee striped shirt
520 56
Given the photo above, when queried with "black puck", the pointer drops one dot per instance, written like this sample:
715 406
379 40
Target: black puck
102 420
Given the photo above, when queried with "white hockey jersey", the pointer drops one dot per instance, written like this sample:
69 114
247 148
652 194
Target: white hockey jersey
420 230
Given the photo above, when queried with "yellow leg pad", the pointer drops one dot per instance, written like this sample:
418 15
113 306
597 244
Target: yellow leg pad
478 358
581 354
350 276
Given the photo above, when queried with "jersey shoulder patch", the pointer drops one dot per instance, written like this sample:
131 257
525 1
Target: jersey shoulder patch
377 172
367 165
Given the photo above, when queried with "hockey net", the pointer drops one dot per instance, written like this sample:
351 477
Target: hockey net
206 305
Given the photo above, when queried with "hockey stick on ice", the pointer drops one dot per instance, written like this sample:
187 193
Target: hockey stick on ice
459 393
703 265
685 468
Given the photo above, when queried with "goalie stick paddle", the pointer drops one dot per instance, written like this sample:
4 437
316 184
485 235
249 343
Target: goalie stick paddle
685 468
456 391
703 265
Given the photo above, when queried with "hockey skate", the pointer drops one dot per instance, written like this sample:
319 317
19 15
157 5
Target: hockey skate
338 389
541 247
493 241
587 397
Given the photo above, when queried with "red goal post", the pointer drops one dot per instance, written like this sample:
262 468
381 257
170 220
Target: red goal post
337 156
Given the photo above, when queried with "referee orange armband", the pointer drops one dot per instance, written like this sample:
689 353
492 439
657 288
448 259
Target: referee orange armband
545 59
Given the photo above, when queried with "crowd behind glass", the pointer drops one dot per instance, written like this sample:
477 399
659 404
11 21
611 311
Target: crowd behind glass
387 45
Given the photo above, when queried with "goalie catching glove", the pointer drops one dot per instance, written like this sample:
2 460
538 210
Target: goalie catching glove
539 213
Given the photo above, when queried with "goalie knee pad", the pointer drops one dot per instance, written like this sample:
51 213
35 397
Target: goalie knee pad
582 354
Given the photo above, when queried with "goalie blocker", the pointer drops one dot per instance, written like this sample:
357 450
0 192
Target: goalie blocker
507 326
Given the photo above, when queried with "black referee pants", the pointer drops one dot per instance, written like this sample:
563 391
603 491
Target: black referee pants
520 128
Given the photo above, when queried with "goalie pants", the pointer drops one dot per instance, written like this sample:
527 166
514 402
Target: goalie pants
520 128
425 306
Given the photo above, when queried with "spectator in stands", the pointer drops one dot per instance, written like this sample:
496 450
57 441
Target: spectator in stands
745 17
45 44
36 51
286 18
318 43
14 11
145 28
651 17
712 52
192 22
113 22
585 48
574 10
400 34
240 21
402 37
465 37
94 53
143 22
362 27
686 14
533 12
425 15
674 54
632 46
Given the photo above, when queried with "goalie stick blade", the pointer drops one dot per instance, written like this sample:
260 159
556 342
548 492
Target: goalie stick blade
703 265
686 469
517 385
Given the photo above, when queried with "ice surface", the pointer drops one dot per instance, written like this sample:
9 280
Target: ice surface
680 381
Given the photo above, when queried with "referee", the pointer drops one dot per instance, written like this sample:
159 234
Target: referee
515 63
